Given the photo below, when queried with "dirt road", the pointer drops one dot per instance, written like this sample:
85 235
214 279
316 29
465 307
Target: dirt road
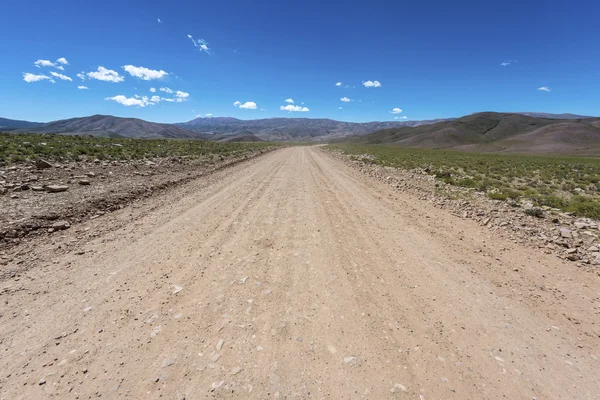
293 276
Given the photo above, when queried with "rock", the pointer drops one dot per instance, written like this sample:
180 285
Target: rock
177 289
580 225
331 349
398 386
565 233
42 381
593 249
167 363
3 190
91 174
42 164
84 182
217 385
573 257
220 344
60 225
56 188
571 251
349 359
37 188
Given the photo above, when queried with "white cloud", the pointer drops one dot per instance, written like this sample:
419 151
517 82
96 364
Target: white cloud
166 90
396 111
168 100
29 77
544 89
345 100
339 84
292 108
136 100
82 87
182 95
81 76
61 76
208 115
249 105
237 103
289 101
340 108
159 21
200 44
106 75
48 63
403 117
153 90
370 84
145 73
508 62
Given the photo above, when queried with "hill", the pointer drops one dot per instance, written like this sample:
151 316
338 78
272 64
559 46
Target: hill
109 126
292 129
12 124
498 132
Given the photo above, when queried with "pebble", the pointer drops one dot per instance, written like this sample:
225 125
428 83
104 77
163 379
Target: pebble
56 188
398 386
217 385
349 359
167 363
220 344
331 349
42 381
267 292
177 289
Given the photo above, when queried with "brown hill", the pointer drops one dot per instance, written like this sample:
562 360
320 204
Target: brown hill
499 132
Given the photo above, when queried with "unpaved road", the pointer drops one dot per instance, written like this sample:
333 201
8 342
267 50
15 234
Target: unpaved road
293 276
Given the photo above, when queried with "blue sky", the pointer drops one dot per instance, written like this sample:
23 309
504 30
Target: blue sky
429 59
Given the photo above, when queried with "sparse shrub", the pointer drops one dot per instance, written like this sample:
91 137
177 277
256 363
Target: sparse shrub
535 212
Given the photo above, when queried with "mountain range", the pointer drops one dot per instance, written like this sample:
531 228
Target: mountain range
526 132
498 133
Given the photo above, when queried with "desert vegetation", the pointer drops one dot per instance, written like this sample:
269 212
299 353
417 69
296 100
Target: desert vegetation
19 148
567 183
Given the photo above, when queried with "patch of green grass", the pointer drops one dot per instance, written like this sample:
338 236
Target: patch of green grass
19 148
566 183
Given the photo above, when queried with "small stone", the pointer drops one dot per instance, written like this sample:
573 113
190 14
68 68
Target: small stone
217 385
349 359
37 188
331 349
84 182
60 225
220 344
565 233
85 370
177 289
398 386
235 371
42 381
56 188
267 292
42 164
571 251
167 363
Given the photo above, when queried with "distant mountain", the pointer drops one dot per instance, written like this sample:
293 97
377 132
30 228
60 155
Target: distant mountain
291 129
498 132
12 124
109 126
552 116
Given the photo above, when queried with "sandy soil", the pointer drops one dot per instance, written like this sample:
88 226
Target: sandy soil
294 276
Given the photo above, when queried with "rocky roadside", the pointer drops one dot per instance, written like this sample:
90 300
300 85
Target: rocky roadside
42 198
550 230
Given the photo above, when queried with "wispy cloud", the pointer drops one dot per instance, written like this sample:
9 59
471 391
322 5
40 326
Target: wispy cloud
544 89
340 108
396 110
371 84
29 77
81 75
159 21
145 73
200 44
166 90
82 87
208 115
339 84
403 117
293 108
153 90
249 105
345 99
289 101
106 75
61 76
58 64
508 62
181 96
